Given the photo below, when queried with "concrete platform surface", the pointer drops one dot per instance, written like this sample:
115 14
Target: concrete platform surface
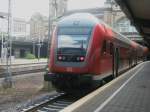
130 92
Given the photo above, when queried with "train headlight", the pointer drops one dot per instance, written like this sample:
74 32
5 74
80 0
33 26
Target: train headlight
82 58
59 57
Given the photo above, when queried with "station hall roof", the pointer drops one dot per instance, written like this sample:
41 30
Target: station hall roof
138 11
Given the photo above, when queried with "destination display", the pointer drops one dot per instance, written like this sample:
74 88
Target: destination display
77 30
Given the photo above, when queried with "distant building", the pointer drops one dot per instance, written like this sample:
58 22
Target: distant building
39 23
21 28
120 22
20 31
3 25
38 26
58 8
3 22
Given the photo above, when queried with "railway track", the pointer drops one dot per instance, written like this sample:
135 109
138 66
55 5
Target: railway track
23 72
57 102
19 69
24 64
52 104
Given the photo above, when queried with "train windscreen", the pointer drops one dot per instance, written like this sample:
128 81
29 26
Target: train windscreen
73 43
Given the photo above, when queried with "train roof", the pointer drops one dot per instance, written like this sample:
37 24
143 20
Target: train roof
121 37
89 20
78 19
117 35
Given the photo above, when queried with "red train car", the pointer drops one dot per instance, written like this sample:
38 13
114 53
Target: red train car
85 50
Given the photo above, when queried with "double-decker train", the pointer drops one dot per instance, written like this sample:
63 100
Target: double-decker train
84 50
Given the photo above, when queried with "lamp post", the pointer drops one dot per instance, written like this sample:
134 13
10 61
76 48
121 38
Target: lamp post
112 12
3 17
49 35
2 50
39 47
8 75
33 46
51 3
1 40
56 7
48 85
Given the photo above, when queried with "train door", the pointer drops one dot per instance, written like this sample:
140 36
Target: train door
135 57
112 57
130 58
106 58
115 62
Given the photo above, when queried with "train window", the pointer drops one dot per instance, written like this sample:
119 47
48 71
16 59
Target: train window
107 47
104 46
111 48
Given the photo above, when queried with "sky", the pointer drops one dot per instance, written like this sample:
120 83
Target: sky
25 8
82 4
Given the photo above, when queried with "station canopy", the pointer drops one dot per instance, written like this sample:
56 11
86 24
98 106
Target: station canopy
138 11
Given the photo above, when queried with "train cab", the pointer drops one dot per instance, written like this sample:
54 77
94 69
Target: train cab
73 37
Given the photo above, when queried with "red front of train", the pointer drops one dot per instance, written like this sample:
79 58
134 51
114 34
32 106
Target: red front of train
84 51
76 59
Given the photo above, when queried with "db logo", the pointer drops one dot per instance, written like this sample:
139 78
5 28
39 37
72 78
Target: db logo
69 69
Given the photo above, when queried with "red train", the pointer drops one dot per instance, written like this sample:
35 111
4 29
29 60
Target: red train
85 50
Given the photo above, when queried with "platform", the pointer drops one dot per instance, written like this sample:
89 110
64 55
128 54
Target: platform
130 92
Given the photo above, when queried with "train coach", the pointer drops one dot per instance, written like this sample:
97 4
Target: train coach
84 50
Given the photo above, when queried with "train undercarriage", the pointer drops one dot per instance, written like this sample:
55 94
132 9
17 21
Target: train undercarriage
72 82
78 82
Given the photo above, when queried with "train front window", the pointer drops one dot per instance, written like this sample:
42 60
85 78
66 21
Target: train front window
72 45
